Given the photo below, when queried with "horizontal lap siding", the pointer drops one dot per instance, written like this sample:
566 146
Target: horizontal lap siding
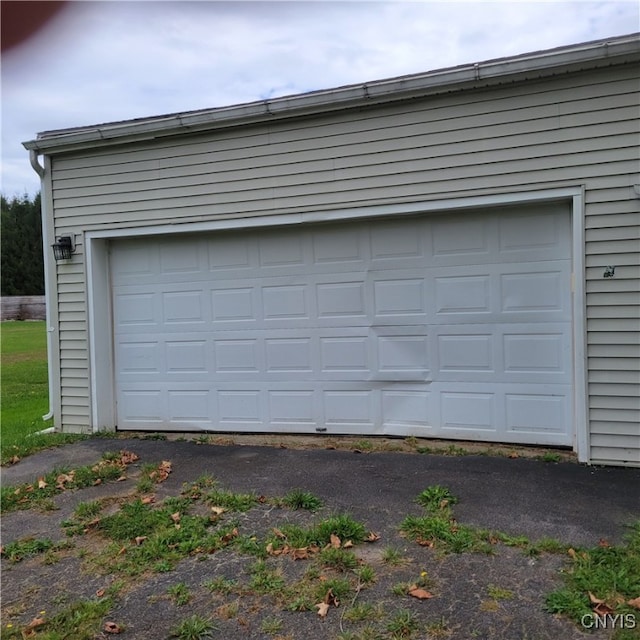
575 129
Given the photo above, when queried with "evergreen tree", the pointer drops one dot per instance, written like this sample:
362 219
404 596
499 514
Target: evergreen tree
22 263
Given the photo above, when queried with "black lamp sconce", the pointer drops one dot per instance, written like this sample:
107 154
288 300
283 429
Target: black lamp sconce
63 247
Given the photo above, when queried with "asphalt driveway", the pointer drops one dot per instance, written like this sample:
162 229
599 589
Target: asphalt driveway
474 595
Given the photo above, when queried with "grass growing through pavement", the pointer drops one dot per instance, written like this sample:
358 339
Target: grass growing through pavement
19 549
24 391
81 620
603 579
39 493
194 627
440 530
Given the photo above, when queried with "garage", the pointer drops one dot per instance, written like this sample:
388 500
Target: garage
454 326
451 254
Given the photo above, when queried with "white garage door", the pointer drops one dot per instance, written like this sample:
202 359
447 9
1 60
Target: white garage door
452 326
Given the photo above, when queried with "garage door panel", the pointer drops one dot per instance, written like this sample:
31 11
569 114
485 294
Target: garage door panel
235 253
466 353
537 236
462 294
452 326
190 407
284 248
136 309
233 305
401 294
334 247
341 300
468 410
406 408
461 241
533 291
398 239
536 415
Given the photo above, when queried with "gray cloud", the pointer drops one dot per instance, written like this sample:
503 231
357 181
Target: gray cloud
103 61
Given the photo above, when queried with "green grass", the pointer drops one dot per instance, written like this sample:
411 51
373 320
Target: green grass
402 624
319 534
180 593
221 585
338 559
300 499
436 498
265 580
40 493
194 627
81 620
609 573
24 391
19 549
24 379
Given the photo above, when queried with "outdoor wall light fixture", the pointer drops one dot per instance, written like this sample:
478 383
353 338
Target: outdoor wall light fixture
63 247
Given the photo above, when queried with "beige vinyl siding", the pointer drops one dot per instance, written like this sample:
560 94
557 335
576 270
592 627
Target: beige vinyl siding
573 129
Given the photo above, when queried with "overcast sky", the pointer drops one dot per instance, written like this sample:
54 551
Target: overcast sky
103 61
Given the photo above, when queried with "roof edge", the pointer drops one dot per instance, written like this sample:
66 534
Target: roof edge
583 56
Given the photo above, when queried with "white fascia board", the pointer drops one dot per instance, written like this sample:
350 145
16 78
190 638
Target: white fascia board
539 64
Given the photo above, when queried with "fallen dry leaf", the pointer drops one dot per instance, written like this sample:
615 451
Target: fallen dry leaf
41 483
635 603
323 609
419 593
14 460
36 622
335 541
64 478
572 553
140 539
97 481
162 472
127 457
176 517
218 510
347 545
121 478
425 543
278 534
603 609
148 499
372 537
100 593
300 554
603 543
514 455
230 536
111 627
